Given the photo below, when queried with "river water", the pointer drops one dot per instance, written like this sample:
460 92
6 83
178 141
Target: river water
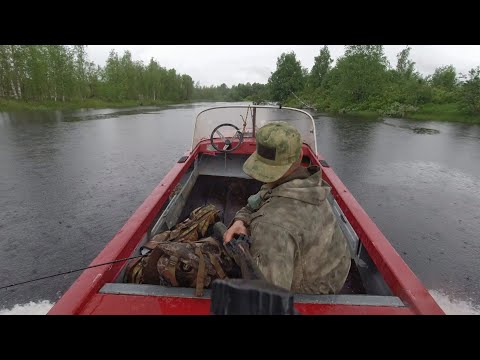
70 180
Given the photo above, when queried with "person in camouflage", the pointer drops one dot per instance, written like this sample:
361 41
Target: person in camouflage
296 241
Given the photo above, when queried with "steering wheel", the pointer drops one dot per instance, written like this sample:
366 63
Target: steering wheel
228 142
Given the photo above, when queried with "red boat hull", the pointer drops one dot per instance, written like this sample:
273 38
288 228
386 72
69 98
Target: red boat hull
83 297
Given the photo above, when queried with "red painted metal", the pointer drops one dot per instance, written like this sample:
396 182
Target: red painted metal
332 309
106 304
83 296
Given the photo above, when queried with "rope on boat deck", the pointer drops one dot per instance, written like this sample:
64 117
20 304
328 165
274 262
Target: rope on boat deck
72 271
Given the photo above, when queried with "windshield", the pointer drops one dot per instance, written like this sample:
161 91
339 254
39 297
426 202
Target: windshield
242 117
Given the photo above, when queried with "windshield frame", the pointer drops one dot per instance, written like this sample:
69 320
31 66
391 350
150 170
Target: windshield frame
199 115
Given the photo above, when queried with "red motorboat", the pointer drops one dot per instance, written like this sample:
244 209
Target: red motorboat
379 282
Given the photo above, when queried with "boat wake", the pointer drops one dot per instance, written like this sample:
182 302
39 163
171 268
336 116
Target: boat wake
453 306
449 305
32 308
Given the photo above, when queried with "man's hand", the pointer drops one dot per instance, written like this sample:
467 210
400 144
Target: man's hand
238 227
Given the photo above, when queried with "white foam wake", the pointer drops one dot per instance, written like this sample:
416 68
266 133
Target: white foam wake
453 306
449 305
32 308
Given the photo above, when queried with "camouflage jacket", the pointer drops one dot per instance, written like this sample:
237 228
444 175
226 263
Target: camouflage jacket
296 241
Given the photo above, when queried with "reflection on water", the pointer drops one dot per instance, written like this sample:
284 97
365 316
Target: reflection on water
69 181
67 187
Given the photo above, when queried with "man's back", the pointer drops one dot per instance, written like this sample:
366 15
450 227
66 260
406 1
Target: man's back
296 241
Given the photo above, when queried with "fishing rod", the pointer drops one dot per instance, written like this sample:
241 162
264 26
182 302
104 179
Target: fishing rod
72 271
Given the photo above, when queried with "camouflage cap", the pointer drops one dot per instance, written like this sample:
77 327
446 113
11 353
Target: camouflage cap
279 145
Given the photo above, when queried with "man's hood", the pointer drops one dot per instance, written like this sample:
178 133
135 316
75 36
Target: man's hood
304 186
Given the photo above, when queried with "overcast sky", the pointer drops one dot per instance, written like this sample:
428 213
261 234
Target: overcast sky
233 64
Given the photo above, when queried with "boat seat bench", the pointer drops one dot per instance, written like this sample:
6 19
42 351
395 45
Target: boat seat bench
158 290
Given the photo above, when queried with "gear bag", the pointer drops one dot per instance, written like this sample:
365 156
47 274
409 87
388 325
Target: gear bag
185 256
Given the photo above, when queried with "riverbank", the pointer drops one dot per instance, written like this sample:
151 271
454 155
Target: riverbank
17 105
444 112
427 112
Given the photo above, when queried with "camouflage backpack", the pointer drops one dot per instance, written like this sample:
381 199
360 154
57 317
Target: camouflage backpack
185 256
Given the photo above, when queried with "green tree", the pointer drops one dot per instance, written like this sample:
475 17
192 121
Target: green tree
405 67
80 69
287 78
113 78
187 87
93 76
445 77
320 68
14 58
358 77
153 79
44 72
36 86
470 92
404 86
60 71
